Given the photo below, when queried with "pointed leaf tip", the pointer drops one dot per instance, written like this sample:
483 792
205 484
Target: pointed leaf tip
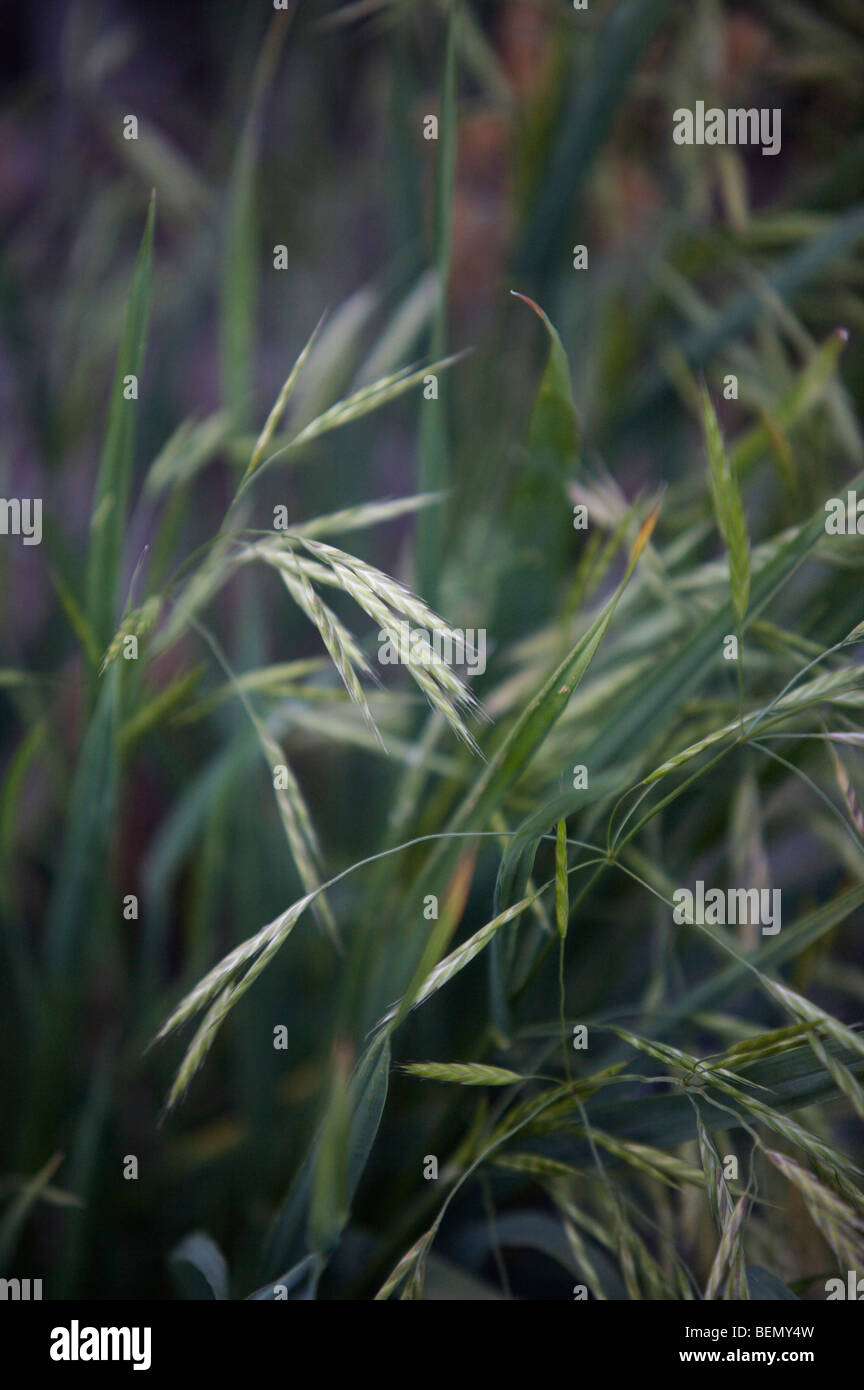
646 530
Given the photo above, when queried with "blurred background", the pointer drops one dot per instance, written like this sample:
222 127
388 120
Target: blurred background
305 130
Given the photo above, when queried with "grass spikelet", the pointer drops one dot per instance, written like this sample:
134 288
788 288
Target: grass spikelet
655 1163
462 956
389 604
388 590
842 1228
842 1076
583 1259
293 811
362 517
803 1009
719 1199
193 444
536 1166
787 1128
721 1204
199 1047
406 1268
289 567
276 930
332 635
207 1031
729 1252
279 407
358 404
136 624
847 790
763 1045
297 824
463 1073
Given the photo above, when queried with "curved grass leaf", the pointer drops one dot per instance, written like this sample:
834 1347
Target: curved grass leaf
201 1252
433 461
554 428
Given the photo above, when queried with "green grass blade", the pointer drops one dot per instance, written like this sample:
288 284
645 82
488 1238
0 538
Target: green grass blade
629 29
81 882
201 1253
562 895
728 508
110 503
239 300
434 464
16 1213
547 706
